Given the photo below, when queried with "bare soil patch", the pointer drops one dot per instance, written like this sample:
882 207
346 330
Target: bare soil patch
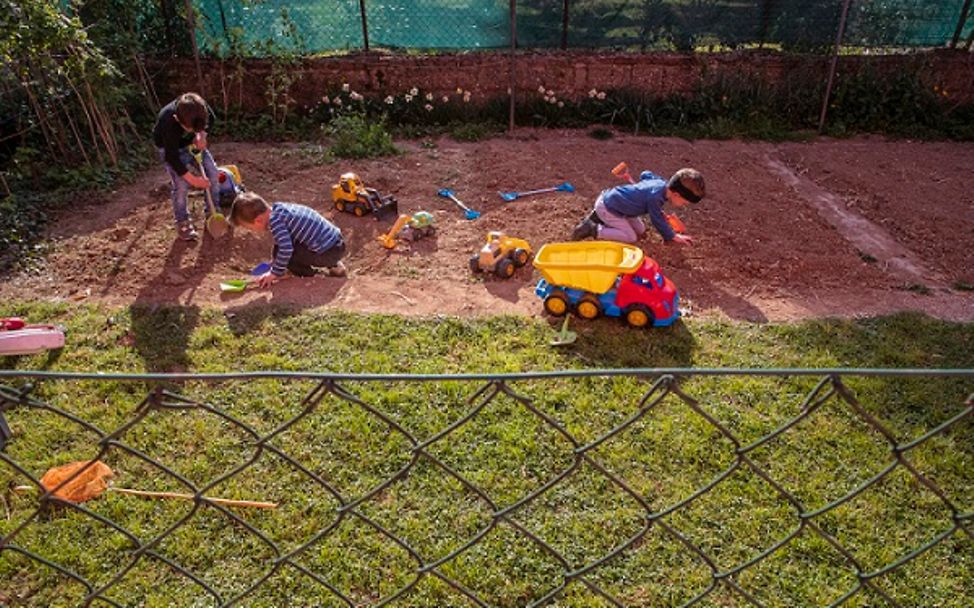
763 251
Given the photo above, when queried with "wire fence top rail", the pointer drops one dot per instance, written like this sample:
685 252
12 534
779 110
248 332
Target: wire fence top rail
622 487
526 375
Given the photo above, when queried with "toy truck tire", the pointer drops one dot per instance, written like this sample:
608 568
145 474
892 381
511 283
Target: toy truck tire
638 315
340 205
475 263
505 268
359 210
556 304
520 257
588 308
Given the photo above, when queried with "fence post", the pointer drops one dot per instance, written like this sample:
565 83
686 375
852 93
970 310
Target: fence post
765 22
191 23
510 117
365 24
960 23
564 26
835 62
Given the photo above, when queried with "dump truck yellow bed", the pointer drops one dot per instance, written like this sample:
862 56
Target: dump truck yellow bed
591 265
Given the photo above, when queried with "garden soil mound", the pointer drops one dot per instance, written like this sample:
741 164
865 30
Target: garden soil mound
788 231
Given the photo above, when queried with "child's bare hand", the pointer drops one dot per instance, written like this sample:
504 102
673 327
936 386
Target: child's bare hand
196 181
266 280
682 239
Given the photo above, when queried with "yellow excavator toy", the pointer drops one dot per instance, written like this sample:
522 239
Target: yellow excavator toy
412 227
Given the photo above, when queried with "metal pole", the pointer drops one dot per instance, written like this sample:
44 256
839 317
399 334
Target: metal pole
510 117
365 24
765 22
564 25
191 22
835 63
960 23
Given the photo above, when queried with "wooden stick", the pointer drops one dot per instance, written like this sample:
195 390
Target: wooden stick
220 501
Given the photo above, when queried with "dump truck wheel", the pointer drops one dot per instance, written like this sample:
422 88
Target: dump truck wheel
475 263
520 257
589 308
638 315
340 205
505 268
556 304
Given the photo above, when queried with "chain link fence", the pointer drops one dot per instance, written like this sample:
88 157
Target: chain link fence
578 488
316 26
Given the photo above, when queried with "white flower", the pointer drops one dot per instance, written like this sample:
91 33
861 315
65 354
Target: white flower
428 107
338 101
550 93
601 95
429 97
466 97
445 99
552 100
541 89
592 92
561 104
325 100
356 97
408 98
389 100
459 90
414 91
345 87
547 99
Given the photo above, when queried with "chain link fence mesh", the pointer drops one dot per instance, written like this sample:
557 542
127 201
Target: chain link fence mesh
589 488
659 25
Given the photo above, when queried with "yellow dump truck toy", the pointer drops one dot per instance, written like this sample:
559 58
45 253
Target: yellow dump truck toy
605 278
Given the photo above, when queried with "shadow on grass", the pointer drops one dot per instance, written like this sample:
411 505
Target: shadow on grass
610 343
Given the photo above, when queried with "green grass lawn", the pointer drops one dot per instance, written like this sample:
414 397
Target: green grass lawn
509 447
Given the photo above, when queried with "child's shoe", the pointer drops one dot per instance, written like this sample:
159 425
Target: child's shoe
585 229
186 231
338 270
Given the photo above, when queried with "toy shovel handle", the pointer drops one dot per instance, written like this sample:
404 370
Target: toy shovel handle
446 193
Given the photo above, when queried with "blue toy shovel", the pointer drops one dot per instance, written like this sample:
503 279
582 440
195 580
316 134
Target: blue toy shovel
259 269
510 196
470 213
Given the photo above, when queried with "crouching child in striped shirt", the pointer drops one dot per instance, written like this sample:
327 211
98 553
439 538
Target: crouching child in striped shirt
303 240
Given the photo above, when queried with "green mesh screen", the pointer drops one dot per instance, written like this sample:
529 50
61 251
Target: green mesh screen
799 25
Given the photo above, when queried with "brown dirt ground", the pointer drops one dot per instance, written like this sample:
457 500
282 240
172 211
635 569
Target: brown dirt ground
763 250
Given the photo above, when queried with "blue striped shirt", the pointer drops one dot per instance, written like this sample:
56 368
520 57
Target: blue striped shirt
292 224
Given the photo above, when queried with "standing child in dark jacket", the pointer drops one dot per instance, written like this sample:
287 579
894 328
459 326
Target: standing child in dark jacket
617 210
182 122
303 239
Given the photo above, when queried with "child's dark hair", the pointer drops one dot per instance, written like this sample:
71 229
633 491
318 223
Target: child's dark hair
191 111
247 206
689 184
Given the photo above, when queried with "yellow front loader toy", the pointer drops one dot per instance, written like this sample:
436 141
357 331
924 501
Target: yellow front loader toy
351 195
501 254
412 227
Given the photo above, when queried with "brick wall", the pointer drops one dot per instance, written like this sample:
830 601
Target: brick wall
569 74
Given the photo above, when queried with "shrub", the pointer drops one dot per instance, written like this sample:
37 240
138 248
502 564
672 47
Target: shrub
353 136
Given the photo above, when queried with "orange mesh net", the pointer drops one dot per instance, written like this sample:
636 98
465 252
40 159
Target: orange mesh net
88 484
